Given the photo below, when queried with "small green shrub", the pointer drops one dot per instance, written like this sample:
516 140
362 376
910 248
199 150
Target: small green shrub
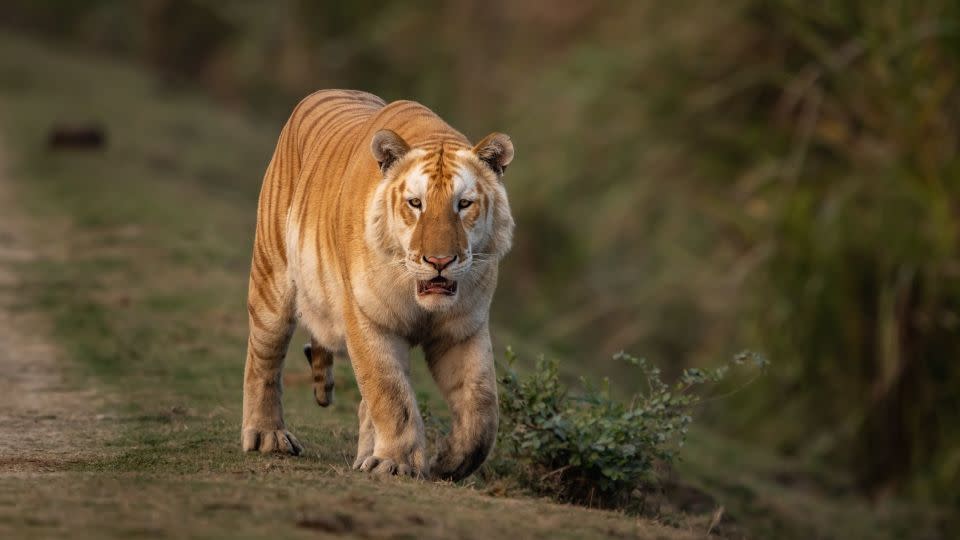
591 448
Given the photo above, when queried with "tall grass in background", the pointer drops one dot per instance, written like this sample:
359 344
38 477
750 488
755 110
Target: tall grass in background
835 125
692 177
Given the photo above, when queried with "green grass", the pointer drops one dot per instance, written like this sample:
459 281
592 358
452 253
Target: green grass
147 300
146 297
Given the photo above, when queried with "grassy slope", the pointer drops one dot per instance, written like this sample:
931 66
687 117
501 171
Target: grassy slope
149 301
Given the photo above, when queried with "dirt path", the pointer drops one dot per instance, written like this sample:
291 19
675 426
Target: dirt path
44 423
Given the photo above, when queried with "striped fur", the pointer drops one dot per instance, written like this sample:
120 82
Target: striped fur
362 204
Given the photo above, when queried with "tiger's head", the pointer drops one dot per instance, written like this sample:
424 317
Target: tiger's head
441 212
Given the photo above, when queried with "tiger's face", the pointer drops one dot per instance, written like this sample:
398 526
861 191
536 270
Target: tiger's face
441 213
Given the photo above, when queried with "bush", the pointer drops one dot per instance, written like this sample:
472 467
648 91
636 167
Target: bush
591 448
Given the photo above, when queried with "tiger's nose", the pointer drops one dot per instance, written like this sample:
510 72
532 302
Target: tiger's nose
439 262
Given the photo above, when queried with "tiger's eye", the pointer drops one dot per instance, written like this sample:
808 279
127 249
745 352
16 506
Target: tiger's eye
464 203
414 202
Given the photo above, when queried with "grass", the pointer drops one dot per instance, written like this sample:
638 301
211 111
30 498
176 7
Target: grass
148 300
146 295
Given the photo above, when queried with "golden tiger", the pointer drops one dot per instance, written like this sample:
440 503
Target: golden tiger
379 228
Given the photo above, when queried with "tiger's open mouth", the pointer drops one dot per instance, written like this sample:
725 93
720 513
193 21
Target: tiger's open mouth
437 285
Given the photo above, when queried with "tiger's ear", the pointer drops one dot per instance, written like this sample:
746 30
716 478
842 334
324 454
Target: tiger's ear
496 150
387 148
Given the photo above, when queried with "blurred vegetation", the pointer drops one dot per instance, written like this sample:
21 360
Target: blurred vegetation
835 124
691 177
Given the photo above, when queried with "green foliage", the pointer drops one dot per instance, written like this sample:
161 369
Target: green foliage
689 175
591 447
835 124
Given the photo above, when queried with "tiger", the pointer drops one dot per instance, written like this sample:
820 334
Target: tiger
380 228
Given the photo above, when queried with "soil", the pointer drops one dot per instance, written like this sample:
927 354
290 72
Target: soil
44 422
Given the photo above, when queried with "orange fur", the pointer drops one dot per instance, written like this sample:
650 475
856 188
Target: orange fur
362 204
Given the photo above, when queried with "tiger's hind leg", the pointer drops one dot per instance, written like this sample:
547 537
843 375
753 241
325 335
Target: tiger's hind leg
320 361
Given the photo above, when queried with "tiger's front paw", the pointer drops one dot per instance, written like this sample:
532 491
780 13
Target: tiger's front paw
386 467
410 463
458 459
270 440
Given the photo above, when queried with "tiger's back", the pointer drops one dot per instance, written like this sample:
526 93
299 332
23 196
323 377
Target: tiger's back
315 145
